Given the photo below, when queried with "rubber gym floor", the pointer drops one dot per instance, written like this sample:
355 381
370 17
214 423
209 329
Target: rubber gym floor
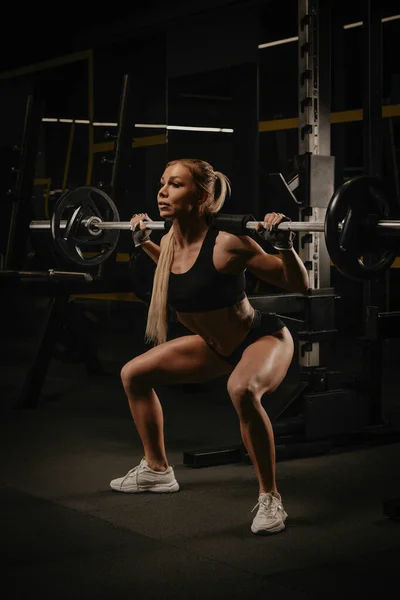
65 534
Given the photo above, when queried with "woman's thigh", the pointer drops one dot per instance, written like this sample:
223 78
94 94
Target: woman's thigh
264 364
187 359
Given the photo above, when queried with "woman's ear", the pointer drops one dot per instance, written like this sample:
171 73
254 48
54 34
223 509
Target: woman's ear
202 202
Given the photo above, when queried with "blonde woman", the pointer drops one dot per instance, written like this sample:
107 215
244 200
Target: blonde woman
200 273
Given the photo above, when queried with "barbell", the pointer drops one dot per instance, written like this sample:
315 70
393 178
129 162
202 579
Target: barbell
357 228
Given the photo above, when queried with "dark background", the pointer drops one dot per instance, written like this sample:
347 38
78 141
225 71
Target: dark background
64 534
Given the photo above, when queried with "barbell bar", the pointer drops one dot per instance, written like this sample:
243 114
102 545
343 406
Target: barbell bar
358 222
306 226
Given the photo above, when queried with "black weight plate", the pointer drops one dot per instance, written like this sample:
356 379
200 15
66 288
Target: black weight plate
75 242
355 248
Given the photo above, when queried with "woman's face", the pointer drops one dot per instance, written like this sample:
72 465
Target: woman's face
178 195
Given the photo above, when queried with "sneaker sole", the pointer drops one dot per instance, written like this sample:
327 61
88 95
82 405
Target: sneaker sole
269 531
158 489
273 530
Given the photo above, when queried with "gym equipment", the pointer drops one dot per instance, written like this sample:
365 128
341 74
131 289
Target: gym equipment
356 226
86 208
353 228
53 325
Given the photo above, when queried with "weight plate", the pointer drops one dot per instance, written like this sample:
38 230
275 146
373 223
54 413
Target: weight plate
75 242
354 246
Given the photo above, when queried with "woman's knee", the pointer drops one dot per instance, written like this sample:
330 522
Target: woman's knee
133 374
244 394
247 394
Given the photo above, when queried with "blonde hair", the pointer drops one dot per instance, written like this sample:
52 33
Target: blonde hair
205 179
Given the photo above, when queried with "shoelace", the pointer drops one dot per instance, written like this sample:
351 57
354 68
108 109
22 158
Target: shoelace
134 472
268 504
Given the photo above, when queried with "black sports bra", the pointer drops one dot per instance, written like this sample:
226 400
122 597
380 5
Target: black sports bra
203 288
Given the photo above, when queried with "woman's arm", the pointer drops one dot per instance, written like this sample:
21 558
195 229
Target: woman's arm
285 270
151 250
141 236
295 274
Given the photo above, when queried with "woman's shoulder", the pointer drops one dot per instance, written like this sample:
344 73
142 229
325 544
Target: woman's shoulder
235 244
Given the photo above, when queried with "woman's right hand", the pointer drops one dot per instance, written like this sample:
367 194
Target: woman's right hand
139 232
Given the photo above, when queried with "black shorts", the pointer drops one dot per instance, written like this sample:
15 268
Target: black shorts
263 324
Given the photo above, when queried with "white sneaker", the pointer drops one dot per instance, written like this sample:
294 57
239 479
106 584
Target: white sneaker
144 479
271 515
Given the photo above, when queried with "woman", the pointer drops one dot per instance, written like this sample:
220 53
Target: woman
200 273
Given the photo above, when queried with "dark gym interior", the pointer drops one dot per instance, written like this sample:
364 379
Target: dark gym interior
298 103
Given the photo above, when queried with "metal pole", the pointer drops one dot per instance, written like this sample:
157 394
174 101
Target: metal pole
372 159
314 138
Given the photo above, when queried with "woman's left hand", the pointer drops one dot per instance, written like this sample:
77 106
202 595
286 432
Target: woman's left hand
278 238
139 232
